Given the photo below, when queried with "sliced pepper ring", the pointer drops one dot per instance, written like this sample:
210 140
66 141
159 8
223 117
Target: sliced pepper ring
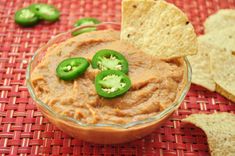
71 68
26 17
45 11
84 30
107 59
112 83
85 21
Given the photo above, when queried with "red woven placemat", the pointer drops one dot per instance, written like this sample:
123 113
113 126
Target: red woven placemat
23 129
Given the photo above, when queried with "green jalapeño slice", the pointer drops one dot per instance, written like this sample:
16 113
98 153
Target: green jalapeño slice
45 11
109 60
71 68
84 30
112 83
26 17
85 21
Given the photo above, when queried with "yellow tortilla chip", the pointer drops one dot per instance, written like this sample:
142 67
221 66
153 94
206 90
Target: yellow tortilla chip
224 93
222 66
220 131
220 20
224 39
158 28
200 64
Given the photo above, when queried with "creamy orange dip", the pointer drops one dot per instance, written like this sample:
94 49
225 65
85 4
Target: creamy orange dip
155 83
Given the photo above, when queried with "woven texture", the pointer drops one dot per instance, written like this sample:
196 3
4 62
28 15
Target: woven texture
23 129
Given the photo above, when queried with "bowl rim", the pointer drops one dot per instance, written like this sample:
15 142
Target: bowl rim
159 116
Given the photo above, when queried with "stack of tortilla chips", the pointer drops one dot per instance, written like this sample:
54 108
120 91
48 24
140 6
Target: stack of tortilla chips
214 65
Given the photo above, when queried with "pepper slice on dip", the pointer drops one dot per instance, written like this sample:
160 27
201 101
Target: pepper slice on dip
109 60
112 83
71 68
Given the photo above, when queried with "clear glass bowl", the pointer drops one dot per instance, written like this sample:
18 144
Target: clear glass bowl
102 133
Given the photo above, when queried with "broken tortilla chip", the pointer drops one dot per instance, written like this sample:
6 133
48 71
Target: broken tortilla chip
220 131
224 39
224 93
222 66
220 20
200 63
158 28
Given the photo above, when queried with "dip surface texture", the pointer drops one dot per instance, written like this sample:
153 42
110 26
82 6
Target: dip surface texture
155 83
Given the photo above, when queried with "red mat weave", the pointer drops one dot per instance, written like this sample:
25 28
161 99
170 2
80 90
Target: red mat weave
23 129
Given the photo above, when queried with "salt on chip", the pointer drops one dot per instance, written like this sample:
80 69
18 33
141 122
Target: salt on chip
200 63
158 28
224 39
220 20
220 131
222 66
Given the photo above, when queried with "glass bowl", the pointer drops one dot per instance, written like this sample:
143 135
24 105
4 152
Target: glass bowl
102 133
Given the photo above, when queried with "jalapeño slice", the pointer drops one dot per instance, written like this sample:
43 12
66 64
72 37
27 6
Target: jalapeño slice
85 21
84 30
45 11
112 83
109 60
26 17
71 68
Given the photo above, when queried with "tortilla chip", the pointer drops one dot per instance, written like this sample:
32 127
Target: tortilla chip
220 131
220 20
224 39
222 66
200 64
224 93
158 28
